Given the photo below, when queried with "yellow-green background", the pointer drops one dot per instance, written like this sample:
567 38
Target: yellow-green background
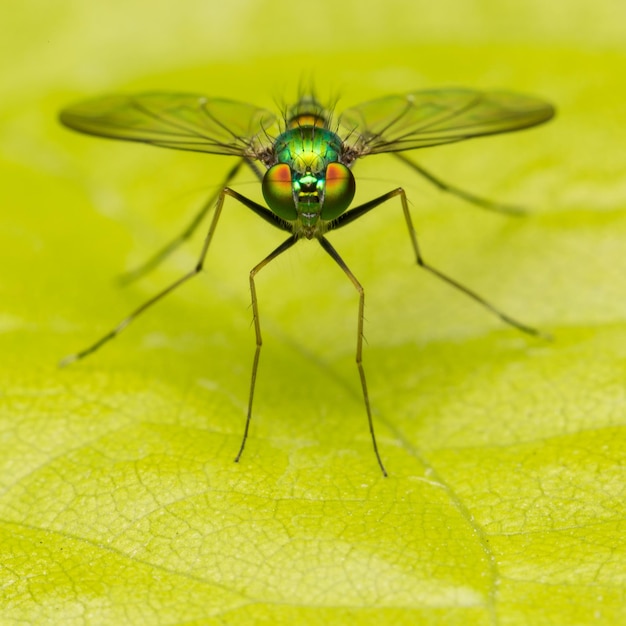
119 500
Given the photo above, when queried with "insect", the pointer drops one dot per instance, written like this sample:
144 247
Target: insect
303 160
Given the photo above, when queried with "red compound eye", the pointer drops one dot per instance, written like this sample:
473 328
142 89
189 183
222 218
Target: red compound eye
278 191
339 190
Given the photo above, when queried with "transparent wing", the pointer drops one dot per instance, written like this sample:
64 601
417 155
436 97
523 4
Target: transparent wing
175 120
430 118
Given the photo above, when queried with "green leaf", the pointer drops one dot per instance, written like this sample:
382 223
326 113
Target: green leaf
119 499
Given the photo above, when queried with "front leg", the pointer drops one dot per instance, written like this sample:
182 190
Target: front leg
257 331
359 341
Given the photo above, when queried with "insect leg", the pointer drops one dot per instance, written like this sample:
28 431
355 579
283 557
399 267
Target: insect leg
484 203
359 341
257 331
260 210
359 211
468 292
164 252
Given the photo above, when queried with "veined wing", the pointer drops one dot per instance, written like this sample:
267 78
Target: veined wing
430 118
175 120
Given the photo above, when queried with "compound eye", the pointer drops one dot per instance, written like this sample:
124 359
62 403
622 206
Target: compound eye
339 190
278 191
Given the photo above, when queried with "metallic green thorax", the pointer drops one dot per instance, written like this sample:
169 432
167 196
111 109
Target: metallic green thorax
307 149
299 186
